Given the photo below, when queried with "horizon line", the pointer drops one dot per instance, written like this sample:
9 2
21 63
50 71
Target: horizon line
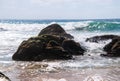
65 19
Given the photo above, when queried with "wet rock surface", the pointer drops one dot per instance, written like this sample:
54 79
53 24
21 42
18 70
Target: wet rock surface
73 47
113 48
55 29
101 38
53 43
50 44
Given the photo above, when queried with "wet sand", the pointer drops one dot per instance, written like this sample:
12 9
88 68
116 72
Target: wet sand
45 73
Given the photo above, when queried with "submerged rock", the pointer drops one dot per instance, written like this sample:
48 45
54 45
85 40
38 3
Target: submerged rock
101 38
113 48
4 77
55 29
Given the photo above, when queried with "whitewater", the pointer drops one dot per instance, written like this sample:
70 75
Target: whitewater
90 67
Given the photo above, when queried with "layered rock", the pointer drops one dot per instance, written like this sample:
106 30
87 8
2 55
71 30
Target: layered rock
49 44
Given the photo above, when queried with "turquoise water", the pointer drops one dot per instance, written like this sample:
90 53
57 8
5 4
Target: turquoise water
13 32
82 25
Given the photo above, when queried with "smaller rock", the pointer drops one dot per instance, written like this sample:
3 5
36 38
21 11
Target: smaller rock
101 38
113 48
110 45
4 77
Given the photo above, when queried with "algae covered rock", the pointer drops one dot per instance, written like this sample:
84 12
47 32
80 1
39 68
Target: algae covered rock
51 43
36 49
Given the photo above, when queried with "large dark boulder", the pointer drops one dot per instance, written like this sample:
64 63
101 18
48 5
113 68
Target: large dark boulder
51 43
55 29
3 77
40 48
73 47
47 47
113 48
101 38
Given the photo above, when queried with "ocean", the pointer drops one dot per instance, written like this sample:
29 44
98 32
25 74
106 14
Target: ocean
90 67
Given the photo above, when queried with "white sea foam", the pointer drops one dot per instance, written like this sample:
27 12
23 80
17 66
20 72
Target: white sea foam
75 25
38 27
22 27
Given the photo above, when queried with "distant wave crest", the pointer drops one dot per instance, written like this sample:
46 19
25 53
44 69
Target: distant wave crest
67 25
93 26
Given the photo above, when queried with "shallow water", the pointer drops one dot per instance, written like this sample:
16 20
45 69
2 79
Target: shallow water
90 67
54 72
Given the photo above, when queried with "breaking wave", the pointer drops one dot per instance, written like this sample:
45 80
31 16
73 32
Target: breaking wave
100 26
86 25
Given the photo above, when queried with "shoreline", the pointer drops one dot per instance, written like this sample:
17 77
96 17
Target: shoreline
88 74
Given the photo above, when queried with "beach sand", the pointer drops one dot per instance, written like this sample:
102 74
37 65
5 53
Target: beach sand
38 73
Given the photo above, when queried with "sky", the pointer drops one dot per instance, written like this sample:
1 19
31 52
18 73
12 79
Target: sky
59 9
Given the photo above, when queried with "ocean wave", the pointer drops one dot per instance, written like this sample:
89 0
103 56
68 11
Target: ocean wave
78 25
21 27
93 26
74 25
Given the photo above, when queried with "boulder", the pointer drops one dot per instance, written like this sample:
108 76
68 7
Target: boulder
52 43
113 48
101 38
109 46
73 47
55 29
40 48
3 77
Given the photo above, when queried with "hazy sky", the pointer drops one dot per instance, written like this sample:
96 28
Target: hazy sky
59 9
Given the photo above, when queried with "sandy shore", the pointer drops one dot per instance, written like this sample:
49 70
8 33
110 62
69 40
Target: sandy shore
57 74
